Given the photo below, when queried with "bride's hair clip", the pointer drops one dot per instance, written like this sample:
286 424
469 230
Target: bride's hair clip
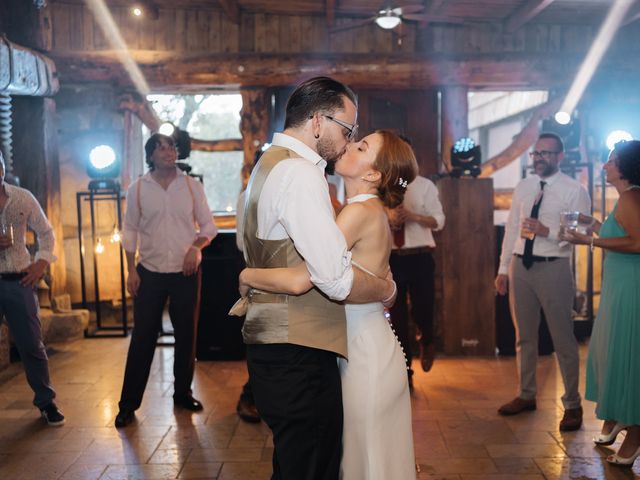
402 182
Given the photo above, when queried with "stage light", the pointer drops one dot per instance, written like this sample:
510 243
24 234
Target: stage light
136 11
102 156
101 151
617 136
563 118
167 128
180 137
465 158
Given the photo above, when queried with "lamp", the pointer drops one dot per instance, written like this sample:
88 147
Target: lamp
387 19
465 158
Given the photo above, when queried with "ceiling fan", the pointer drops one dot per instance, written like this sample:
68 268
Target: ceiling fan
390 17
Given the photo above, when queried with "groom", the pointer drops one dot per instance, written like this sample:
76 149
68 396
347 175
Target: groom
292 342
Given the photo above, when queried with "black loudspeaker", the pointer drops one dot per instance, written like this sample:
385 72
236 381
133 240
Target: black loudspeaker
505 331
219 334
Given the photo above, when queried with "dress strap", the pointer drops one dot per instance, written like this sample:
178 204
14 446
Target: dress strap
364 269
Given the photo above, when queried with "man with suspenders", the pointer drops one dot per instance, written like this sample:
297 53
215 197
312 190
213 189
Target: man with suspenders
168 222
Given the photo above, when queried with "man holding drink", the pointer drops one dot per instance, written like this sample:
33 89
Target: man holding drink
535 270
19 276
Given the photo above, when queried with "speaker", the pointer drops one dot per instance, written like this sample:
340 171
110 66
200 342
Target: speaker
219 334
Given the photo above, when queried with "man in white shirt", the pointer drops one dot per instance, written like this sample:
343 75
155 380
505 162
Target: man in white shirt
293 342
19 277
163 209
413 267
535 270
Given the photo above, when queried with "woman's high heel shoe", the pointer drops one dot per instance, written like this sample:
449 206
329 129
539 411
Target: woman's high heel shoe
610 438
615 459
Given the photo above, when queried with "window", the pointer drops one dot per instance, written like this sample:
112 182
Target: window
209 117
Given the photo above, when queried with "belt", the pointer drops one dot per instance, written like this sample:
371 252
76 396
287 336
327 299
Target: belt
536 258
256 296
412 250
12 276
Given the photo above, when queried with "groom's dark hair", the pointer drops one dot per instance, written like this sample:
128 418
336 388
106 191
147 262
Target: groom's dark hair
318 94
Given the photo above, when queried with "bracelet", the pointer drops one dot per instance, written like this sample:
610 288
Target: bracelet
395 290
591 244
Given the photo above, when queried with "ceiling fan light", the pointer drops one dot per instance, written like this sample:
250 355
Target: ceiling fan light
388 21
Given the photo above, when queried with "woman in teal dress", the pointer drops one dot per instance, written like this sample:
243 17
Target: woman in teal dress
613 364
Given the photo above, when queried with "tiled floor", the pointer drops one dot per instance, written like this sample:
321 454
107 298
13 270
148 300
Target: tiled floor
458 434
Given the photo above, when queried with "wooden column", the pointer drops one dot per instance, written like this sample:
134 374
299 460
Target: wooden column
454 115
36 163
465 267
254 124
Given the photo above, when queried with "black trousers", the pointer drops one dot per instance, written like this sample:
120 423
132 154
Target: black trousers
414 277
183 294
298 393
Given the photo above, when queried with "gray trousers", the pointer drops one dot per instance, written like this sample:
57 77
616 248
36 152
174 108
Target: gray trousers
546 285
19 305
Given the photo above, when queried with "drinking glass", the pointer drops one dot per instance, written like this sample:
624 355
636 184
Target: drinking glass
6 234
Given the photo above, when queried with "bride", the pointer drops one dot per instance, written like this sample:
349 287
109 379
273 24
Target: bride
377 436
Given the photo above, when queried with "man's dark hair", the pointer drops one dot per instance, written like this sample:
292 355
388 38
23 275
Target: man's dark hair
319 94
556 137
151 145
628 160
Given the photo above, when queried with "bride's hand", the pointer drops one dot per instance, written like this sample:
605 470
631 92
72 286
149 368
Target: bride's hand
575 237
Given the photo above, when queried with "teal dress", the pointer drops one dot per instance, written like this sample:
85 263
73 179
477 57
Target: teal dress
613 364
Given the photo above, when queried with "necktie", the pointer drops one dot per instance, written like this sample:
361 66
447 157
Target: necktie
527 256
398 236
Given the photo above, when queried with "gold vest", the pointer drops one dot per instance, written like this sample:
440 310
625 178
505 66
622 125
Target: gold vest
312 320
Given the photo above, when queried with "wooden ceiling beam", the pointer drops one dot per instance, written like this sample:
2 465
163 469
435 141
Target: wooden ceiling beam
200 73
231 10
527 11
434 7
331 12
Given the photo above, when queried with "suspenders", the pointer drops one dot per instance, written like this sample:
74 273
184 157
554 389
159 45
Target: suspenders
189 186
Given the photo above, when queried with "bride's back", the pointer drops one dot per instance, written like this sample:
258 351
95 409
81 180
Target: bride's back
372 245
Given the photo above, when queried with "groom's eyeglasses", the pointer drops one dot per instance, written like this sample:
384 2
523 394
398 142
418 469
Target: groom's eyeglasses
352 130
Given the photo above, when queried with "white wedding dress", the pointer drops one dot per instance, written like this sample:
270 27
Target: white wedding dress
377 437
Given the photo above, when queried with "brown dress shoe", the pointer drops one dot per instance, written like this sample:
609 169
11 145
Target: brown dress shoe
427 356
517 405
247 411
572 420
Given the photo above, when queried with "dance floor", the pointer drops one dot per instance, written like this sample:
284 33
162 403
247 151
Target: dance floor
458 434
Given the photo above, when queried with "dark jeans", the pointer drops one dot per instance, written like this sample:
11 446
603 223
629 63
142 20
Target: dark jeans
414 276
183 294
19 305
299 396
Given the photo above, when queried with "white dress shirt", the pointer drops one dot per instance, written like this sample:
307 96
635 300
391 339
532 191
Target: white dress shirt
422 198
561 194
295 203
165 229
22 210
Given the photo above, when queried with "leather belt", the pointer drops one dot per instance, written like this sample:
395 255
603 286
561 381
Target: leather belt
12 276
412 251
536 258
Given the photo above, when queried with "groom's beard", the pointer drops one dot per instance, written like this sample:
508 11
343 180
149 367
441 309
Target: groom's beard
327 150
